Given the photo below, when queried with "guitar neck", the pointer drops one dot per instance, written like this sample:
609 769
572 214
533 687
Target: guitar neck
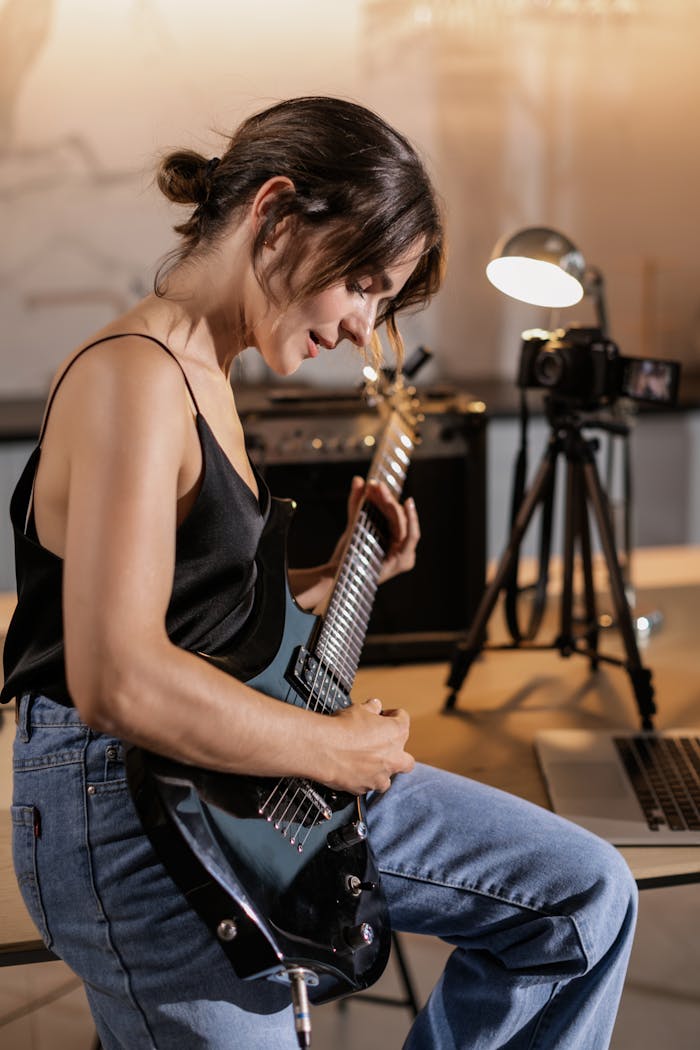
344 628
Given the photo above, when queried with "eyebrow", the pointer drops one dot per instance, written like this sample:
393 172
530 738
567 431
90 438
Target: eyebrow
386 283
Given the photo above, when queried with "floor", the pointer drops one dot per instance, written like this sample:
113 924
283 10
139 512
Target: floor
43 1007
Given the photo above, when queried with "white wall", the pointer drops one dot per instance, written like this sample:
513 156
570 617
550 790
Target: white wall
577 114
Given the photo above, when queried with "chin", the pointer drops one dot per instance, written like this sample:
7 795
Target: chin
279 364
283 369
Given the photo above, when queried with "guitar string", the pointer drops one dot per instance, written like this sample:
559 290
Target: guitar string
287 824
332 681
350 579
345 643
326 641
343 603
348 599
340 601
350 582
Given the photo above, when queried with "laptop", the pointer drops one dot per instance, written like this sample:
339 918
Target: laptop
631 788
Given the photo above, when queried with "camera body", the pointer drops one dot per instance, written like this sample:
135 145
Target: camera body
581 366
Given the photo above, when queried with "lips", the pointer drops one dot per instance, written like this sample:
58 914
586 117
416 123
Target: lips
314 344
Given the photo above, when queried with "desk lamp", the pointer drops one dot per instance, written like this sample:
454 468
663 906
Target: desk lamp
541 266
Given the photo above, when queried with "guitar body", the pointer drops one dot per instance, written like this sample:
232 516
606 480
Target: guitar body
280 870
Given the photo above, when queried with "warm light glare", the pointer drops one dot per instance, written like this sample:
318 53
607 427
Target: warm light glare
370 374
534 281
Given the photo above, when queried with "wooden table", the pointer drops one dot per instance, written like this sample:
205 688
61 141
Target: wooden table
505 699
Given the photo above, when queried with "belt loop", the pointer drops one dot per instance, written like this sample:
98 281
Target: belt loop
23 717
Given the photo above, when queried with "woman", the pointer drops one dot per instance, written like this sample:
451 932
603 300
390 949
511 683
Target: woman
137 521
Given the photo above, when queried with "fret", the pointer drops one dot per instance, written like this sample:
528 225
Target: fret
348 623
371 552
392 483
363 567
398 470
359 601
349 609
355 608
356 594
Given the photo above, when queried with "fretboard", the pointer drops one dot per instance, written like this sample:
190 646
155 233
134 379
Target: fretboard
344 627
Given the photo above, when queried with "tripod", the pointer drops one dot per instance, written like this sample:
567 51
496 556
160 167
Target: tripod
583 489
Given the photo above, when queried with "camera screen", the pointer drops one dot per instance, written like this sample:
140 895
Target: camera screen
647 380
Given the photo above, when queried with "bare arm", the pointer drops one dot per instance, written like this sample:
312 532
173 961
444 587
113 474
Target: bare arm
125 428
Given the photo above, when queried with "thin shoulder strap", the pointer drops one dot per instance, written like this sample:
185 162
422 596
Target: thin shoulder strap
106 339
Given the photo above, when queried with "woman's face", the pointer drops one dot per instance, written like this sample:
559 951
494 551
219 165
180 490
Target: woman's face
287 336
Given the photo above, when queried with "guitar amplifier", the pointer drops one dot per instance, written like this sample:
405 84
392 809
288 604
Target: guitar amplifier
309 445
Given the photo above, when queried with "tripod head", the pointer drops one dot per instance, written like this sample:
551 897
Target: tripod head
563 416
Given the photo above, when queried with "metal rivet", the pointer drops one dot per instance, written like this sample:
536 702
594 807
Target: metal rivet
91 789
111 753
226 930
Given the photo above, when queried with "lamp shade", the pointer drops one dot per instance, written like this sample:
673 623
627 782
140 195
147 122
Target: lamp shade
538 265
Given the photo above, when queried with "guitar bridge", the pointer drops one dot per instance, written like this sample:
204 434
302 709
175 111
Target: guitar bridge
319 686
294 807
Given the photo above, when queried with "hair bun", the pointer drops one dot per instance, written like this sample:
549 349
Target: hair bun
183 177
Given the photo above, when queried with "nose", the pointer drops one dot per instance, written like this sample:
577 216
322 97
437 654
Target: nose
358 324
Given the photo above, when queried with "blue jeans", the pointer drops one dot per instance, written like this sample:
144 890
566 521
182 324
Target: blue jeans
541 913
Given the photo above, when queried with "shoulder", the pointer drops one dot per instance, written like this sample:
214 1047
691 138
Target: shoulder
120 360
120 386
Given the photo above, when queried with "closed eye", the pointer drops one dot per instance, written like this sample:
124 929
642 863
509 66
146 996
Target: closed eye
357 289
364 285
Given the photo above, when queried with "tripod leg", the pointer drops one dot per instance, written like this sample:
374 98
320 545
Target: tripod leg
640 676
589 589
565 641
470 646
577 533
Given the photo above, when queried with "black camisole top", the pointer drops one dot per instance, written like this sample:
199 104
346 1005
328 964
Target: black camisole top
214 577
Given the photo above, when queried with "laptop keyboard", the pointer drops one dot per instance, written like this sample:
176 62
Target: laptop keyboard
665 775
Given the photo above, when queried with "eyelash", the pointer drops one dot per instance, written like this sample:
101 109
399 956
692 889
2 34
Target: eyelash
358 289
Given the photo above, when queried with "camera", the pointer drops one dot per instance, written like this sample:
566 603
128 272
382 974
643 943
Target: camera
583 367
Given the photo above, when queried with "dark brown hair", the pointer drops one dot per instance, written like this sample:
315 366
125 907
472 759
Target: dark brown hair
358 184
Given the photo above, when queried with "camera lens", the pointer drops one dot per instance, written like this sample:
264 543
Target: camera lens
548 367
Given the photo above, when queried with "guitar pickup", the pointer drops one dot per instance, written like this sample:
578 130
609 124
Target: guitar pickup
319 686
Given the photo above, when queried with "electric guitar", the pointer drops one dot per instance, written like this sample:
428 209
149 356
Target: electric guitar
280 869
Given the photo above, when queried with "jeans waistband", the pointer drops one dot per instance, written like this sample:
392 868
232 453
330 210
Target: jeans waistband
35 710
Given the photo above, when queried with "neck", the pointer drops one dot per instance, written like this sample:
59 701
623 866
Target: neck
204 303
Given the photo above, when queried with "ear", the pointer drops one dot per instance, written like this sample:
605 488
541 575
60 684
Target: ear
264 201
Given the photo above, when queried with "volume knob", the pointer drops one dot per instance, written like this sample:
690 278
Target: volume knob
349 835
358 936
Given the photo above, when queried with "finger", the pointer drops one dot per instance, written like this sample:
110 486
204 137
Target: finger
375 704
357 488
412 520
409 763
393 512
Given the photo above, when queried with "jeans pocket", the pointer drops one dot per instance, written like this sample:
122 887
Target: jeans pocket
26 831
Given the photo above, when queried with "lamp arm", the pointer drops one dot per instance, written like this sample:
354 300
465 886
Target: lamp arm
594 285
